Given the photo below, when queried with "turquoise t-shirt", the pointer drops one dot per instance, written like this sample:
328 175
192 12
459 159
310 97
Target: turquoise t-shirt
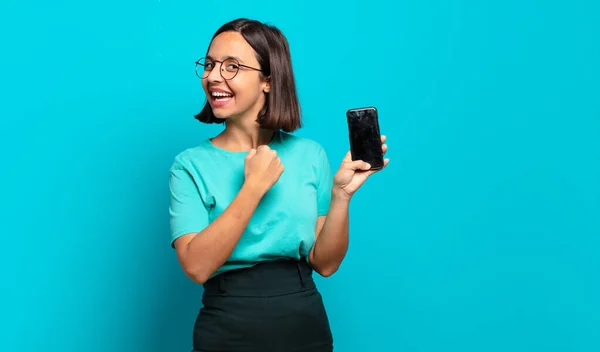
205 179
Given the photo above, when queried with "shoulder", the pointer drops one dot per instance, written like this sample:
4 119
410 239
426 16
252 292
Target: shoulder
306 152
304 144
190 156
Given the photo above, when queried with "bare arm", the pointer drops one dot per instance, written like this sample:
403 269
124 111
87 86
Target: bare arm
331 242
201 254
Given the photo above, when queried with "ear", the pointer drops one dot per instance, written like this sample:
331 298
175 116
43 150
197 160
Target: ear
267 86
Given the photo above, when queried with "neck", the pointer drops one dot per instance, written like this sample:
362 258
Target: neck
243 133
242 136
246 136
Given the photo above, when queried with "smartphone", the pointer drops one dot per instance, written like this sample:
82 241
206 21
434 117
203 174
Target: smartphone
365 137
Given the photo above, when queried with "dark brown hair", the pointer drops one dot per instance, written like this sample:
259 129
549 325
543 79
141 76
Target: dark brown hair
282 109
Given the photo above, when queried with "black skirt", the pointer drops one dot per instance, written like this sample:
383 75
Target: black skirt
271 307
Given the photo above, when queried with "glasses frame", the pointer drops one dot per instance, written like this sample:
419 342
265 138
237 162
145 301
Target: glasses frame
220 62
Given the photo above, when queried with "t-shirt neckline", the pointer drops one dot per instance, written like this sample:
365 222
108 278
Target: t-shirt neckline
276 138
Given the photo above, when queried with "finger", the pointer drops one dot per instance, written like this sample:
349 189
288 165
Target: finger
384 148
348 157
385 163
263 148
251 154
358 165
383 138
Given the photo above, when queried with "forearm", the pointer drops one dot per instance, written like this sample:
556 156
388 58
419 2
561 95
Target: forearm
331 244
209 249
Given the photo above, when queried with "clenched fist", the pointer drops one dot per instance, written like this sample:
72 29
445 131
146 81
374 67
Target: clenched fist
262 168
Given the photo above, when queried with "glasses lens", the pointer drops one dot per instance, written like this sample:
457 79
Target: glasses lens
203 67
229 68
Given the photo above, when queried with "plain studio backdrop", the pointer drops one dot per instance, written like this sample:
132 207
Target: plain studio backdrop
481 235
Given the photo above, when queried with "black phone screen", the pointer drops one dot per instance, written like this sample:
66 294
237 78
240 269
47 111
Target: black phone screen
365 138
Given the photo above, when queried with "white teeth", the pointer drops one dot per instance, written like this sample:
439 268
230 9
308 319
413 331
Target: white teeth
220 94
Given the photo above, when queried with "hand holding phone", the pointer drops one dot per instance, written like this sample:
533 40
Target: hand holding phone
367 146
365 137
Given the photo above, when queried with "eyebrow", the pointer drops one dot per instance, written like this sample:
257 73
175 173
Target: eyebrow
226 57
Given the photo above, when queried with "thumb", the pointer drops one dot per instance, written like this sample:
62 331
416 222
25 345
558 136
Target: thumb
359 165
251 154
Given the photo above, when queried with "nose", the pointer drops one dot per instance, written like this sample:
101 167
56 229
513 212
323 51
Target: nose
215 74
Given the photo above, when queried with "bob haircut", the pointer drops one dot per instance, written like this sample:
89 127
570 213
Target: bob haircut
282 109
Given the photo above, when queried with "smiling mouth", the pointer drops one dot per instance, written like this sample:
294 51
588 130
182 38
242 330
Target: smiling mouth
221 96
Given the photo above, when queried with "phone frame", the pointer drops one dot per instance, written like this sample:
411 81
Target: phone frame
349 113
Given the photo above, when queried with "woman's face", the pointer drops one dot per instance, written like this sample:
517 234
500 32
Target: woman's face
244 95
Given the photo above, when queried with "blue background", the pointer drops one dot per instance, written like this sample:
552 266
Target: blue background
481 235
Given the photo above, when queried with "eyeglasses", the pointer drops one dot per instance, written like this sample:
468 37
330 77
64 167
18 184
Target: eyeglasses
229 67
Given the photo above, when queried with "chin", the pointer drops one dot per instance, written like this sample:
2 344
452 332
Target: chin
220 114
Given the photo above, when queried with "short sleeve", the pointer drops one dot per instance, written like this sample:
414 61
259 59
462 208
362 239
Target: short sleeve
324 183
186 210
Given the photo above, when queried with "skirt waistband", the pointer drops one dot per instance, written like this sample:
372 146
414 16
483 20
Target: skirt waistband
265 279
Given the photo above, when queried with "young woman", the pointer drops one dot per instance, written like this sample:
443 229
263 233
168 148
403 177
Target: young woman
255 210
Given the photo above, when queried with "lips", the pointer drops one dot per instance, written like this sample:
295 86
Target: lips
220 97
